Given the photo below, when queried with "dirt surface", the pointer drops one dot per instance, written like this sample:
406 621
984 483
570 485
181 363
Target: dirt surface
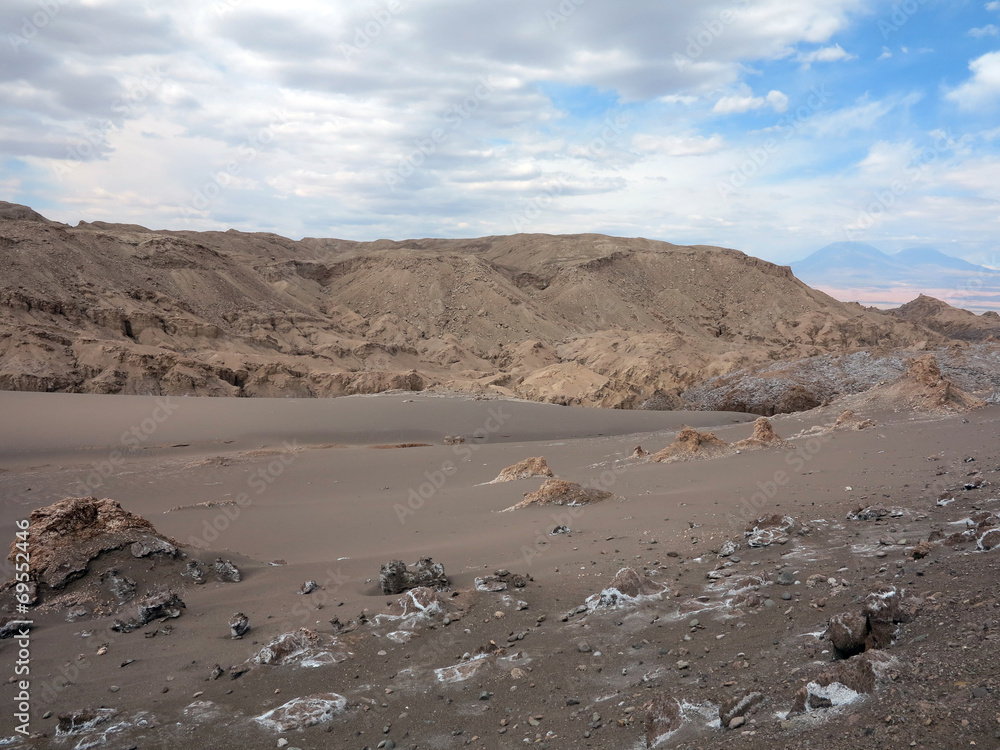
691 610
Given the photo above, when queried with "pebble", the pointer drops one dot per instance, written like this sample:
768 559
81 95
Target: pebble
114 689
786 595
770 603
282 742
693 624
683 664
583 647
785 578
736 722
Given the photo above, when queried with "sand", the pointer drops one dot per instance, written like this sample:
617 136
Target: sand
311 493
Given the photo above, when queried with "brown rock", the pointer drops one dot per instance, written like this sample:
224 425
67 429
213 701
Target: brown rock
662 718
847 632
561 492
529 467
691 444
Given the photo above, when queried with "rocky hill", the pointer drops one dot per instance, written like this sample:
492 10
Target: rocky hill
583 319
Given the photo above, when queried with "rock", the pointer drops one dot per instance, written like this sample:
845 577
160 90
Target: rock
126 626
308 587
627 587
768 530
216 673
739 707
663 717
163 604
64 537
785 578
989 540
842 684
226 571
454 439
639 452
869 513
763 437
78 722
736 722
300 713
728 549
11 627
691 445
529 467
561 492
786 596
121 587
922 550
302 647
195 571
848 420
239 625
395 578
559 530
152 545
583 647
848 632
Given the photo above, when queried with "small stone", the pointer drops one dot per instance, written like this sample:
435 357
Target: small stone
683 664
282 742
786 595
114 689
583 647
693 624
737 722
485 695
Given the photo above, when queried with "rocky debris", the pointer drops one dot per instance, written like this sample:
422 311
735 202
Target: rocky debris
875 626
843 683
203 712
874 512
628 587
989 540
302 647
120 586
126 626
454 439
529 467
307 588
739 707
560 530
561 492
299 713
84 720
153 545
663 717
924 388
639 452
848 420
492 655
691 444
226 571
63 538
217 672
763 437
416 606
163 604
501 580
729 548
977 526
239 625
395 577
195 571
922 550
768 530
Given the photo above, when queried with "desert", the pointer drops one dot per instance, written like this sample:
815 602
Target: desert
790 538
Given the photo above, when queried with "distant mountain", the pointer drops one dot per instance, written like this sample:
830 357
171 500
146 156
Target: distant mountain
859 272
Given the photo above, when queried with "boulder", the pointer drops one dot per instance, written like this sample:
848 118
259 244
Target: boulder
226 571
561 492
239 625
395 577
768 530
163 604
299 713
663 717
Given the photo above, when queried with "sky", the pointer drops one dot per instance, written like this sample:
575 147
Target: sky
771 126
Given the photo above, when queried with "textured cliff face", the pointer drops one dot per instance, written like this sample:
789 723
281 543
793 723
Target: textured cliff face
586 319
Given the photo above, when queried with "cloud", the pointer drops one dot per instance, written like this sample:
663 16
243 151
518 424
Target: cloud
825 54
983 88
728 105
987 30
674 145
886 54
994 5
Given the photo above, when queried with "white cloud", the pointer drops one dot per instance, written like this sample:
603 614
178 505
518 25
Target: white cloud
983 88
993 5
675 145
886 54
987 30
825 54
728 105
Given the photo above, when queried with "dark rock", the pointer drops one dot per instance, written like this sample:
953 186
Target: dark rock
395 578
559 530
239 625
152 545
226 571
662 718
739 706
195 571
165 604
10 627
121 587
308 587
78 722
847 632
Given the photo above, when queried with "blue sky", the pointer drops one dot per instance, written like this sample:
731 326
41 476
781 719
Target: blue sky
771 126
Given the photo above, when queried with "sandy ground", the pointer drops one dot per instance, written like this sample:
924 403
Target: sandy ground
313 491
